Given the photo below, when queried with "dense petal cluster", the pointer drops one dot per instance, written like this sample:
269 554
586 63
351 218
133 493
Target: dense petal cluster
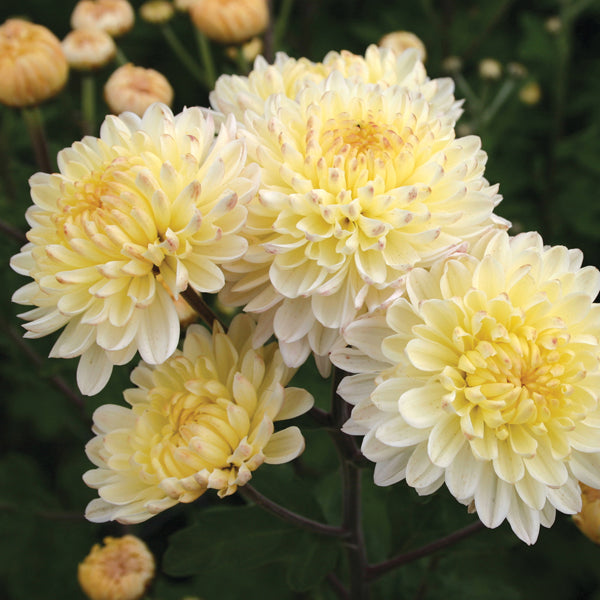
360 183
33 67
132 219
486 378
122 569
236 94
203 419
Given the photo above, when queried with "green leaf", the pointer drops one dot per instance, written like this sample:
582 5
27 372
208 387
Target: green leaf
224 538
311 559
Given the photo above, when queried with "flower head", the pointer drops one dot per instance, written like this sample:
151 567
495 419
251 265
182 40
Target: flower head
134 89
360 184
399 41
122 569
157 11
588 518
33 67
153 196
87 49
230 21
237 94
486 378
203 419
116 17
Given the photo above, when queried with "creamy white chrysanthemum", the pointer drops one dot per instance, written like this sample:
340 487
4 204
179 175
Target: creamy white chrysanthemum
202 420
486 378
161 195
360 184
236 94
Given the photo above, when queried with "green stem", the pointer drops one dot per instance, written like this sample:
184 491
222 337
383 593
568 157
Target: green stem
88 103
56 380
120 57
351 508
496 104
6 172
182 54
285 514
207 60
12 232
35 126
281 24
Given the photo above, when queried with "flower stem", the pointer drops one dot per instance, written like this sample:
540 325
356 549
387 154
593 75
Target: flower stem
56 380
199 305
255 496
351 482
88 103
120 57
207 60
35 126
281 24
182 54
375 571
13 232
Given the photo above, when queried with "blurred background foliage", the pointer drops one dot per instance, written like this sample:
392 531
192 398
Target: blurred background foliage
540 124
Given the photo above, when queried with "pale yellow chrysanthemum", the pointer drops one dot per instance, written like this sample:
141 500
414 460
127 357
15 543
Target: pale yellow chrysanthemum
158 195
122 569
360 184
486 378
202 420
236 94
33 67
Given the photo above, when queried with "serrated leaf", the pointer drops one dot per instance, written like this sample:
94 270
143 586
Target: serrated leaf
226 537
311 559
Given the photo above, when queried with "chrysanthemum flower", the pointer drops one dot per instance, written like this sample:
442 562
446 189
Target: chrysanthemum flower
588 518
360 184
230 21
152 196
157 12
122 569
486 378
33 67
87 49
202 420
116 17
236 94
134 89
399 41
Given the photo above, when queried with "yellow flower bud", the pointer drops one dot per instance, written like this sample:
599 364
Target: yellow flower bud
134 89
588 520
230 21
490 68
530 93
122 569
33 67
87 49
399 41
116 17
157 11
452 64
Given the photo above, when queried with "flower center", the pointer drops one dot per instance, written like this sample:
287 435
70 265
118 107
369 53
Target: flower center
101 191
520 378
362 139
